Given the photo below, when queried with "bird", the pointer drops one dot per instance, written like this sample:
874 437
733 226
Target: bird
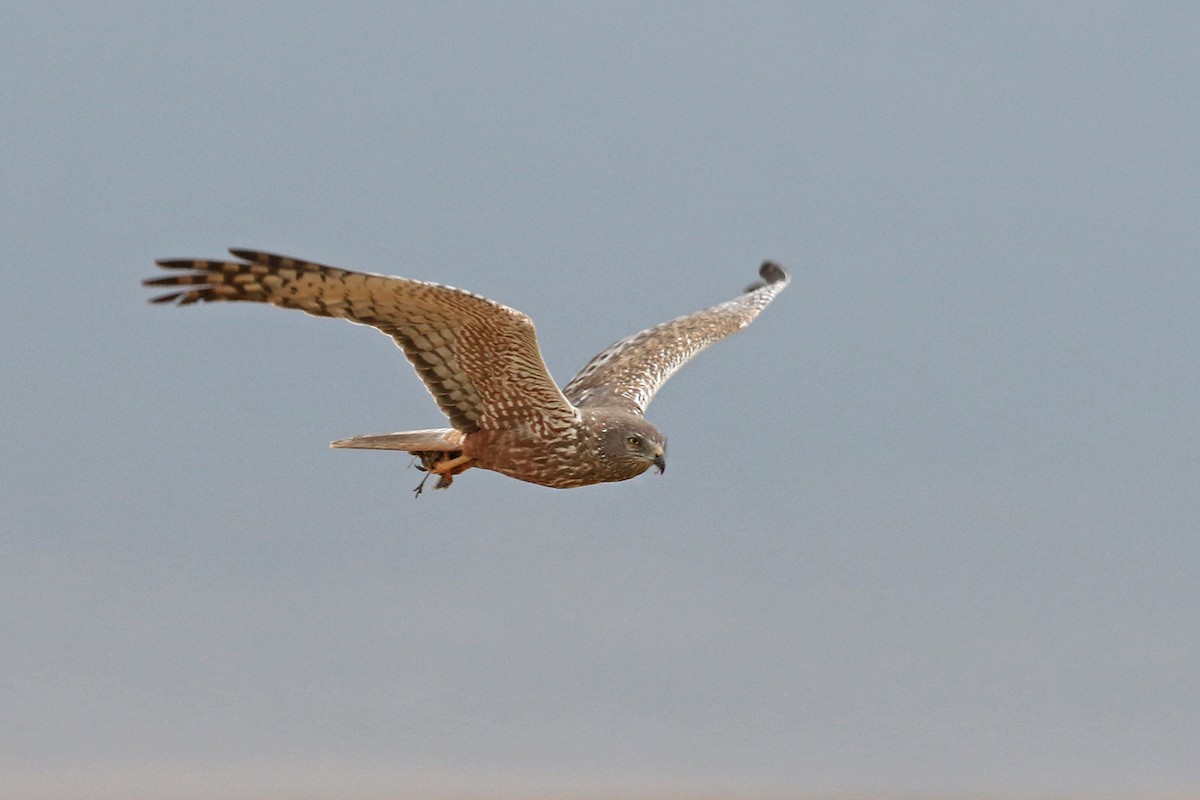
480 361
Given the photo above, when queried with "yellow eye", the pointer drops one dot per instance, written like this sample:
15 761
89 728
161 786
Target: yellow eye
633 441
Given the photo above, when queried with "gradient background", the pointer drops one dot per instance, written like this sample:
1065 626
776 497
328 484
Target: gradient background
930 524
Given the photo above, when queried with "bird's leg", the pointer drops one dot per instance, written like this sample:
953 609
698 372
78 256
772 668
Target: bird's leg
448 468
450 465
428 463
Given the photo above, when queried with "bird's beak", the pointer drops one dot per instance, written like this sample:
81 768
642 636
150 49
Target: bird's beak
660 461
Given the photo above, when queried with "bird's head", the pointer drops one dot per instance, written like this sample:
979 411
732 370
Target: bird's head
630 445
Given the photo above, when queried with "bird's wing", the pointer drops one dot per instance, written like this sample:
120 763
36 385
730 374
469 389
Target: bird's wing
479 359
628 373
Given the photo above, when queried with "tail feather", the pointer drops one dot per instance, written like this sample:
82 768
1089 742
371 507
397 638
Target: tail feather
437 439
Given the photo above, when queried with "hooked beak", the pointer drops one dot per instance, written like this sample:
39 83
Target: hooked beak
660 461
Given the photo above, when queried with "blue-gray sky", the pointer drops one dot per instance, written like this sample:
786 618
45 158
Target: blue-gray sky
930 524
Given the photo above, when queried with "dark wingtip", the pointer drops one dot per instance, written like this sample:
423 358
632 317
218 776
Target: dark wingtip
178 298
771 273
177 263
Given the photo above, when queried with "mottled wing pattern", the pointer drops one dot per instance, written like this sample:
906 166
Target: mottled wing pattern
628 373
479 359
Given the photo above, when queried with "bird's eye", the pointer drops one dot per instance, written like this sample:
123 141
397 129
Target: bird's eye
633 441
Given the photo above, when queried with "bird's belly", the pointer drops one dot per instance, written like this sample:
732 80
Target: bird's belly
560 464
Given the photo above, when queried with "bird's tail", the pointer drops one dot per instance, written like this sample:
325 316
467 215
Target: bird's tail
445 440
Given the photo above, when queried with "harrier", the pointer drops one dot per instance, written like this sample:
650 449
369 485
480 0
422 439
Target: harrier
480 361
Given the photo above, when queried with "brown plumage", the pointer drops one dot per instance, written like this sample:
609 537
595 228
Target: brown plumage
480 361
